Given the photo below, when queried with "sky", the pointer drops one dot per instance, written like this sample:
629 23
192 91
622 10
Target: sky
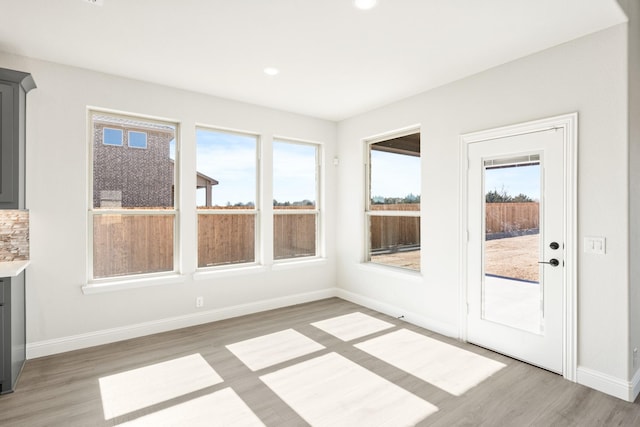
515 180
231 160
394 175
294 172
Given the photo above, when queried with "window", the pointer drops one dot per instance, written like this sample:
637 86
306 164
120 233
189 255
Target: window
295 200
393 201
111 136
226 197
137 139
132 215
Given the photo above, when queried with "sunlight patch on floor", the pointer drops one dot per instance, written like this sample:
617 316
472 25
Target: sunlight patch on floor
143 387
268 350
331 390
222 408
448 367
352 326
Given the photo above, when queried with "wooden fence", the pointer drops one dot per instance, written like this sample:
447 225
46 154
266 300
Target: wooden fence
390 233
512 217
130 244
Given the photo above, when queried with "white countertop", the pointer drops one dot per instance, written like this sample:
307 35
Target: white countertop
12 268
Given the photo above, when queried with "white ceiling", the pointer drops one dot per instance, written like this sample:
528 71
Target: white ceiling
335 61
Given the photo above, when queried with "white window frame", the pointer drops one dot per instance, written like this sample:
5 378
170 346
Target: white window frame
369 213
256 211
318 208
94 284
146 139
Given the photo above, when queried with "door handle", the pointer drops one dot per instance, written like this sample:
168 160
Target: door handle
553 262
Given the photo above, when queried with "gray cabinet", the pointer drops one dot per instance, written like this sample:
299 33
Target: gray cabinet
14 86
12 331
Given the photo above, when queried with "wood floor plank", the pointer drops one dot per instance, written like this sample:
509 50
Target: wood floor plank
63 390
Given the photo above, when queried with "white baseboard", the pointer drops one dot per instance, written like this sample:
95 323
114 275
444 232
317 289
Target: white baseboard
613 386
106 336
635 386
390 310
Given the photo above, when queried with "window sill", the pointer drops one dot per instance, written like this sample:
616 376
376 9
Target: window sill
404 273
227 271
131 283
288 264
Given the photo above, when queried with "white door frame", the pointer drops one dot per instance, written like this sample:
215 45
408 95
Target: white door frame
569 123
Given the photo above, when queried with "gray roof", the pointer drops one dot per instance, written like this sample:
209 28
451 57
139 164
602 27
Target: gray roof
128 122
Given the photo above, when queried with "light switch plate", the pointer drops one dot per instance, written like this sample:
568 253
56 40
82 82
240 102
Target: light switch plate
595 245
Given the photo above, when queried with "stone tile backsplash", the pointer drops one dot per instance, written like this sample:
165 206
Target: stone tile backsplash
14 235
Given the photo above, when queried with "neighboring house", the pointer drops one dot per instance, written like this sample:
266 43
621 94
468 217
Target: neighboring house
132 164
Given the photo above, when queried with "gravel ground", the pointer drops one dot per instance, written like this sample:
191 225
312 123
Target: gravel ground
515 257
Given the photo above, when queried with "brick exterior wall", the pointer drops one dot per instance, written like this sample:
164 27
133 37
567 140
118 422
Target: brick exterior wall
14 235
131 177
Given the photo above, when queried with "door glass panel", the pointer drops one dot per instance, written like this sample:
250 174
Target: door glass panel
512 287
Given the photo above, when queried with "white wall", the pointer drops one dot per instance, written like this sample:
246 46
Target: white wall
59 315
587 76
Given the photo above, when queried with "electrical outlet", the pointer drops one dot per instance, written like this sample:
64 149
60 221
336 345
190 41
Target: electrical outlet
199 302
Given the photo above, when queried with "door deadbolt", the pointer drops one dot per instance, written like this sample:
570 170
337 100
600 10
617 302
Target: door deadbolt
554 245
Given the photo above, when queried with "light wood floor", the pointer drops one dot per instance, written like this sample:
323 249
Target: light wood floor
62 390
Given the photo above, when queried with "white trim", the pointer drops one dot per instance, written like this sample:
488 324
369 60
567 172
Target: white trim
302 262
569 123
132 282
392 271
106 336
613 386
404 131
415 214
635 386
441 328
204 273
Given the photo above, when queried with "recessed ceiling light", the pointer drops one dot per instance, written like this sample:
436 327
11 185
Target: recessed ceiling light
271 71
365 4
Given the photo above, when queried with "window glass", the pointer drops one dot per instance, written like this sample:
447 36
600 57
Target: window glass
133 212
112 136
132 244
226 197
295 199
294 175
393 214
137 139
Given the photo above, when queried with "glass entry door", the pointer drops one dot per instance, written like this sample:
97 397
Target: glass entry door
515 250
